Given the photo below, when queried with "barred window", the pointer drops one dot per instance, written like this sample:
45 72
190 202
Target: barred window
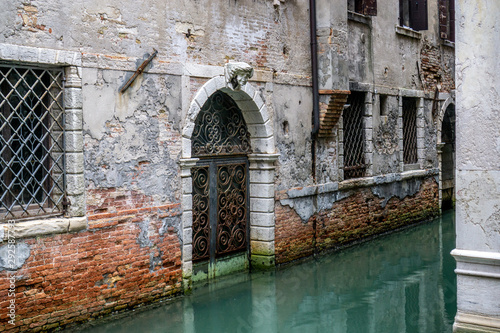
31 142
354 141
409 130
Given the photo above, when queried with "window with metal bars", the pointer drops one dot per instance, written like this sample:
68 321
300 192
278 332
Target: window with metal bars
31 142
354 141
409 130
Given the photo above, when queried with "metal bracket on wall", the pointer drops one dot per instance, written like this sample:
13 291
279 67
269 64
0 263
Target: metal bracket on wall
139 70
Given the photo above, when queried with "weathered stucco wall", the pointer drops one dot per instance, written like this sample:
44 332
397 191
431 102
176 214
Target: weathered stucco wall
209 32
132 140
136 220
478 167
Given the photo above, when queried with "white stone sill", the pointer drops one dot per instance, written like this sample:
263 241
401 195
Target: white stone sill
408 32
359 182
470 322
34 228
476 257
477 263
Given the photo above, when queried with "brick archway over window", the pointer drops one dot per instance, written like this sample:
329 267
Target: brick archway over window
261 172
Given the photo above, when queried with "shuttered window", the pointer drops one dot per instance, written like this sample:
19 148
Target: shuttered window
365 7
413 14
447 19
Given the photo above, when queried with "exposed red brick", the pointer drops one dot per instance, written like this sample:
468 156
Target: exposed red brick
359 216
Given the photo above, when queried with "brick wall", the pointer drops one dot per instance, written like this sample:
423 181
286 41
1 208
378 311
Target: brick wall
358 216
130 254
437 68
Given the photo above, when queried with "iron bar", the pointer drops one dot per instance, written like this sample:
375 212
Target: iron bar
139 71
31 147
354 141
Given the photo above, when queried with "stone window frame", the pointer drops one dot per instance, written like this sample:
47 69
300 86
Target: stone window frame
261 173
367 128
71 62
371 94
418 95
366 124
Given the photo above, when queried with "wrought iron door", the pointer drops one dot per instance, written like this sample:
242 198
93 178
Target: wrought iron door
220 182
220 208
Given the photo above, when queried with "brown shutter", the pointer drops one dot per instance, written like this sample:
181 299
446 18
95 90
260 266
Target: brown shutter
443 18
451 14
370 7
418 14
401 13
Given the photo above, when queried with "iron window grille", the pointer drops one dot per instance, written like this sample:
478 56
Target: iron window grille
354 141
32 177
409 131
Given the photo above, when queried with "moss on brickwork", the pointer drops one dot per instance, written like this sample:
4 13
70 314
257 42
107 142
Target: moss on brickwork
357 217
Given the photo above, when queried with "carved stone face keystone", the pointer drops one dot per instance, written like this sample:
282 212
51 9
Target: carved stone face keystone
237 74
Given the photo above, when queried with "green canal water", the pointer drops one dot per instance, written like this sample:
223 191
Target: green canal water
403 282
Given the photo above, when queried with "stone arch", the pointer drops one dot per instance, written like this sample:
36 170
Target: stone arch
442 111
446 160
251 105
261 173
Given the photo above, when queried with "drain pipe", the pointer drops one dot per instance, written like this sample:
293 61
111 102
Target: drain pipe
314 70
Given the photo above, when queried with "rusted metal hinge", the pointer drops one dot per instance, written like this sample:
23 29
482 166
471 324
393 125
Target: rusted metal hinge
65 204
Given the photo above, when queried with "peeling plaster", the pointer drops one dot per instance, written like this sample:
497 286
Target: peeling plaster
21 254
397 189
312 202
154 260
307 206
143 238
172 222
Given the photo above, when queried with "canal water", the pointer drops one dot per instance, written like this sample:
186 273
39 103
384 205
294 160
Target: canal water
403 282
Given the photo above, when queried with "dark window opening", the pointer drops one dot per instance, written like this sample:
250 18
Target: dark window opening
364 7
31 142
409 131
413 14
384 108
447 19
354 139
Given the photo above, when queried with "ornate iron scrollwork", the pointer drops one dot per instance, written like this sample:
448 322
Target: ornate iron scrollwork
220 128
231 208
201 213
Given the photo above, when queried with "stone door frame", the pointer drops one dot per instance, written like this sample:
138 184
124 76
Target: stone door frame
261 173
440 144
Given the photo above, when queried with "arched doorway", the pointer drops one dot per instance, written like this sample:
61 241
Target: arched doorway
448 158
260 183
220 195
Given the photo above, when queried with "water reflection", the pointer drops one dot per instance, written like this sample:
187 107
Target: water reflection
399 283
